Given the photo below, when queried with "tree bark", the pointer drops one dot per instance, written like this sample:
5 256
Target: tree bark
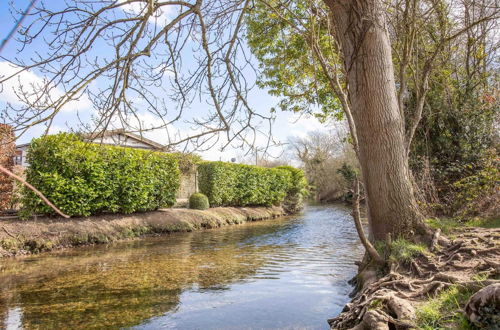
360 28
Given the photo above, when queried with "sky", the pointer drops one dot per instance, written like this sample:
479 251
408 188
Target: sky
284 126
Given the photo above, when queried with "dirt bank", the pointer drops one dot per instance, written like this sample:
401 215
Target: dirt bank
19 237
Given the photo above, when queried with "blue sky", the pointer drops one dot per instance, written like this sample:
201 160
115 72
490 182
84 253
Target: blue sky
285 124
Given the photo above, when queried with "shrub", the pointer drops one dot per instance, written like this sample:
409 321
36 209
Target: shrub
198 201
84 178
227 184
479 192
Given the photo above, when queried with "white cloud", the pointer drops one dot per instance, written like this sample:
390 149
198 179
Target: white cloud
39 130
28 81
300 125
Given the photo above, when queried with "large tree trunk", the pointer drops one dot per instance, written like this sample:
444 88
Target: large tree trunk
360 28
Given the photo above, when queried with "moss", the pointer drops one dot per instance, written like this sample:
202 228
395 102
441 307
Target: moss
375 304
444 310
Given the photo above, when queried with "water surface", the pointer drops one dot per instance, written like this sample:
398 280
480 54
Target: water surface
287 273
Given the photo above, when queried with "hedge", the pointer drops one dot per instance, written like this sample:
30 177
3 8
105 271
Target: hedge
83 178
298 189
227 184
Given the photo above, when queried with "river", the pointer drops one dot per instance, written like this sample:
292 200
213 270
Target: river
286 273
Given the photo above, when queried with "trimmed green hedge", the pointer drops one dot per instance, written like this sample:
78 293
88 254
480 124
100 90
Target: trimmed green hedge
298 189
227 184
198 201
83 178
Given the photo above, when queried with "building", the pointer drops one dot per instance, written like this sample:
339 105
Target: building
122 138
20 157
117 137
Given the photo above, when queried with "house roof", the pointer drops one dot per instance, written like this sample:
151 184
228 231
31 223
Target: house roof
122 131
22 145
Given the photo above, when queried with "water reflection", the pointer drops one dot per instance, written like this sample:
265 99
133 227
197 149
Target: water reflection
285 273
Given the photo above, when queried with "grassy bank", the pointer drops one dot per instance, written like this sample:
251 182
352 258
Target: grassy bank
19 237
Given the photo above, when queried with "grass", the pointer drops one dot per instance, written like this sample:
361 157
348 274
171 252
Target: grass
484 222
479 277
444 310
405 251
447 225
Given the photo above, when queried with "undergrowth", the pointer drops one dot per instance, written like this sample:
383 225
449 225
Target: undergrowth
444 310
405 251
401 250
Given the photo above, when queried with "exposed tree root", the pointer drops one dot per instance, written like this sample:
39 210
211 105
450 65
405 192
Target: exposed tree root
387 302
484 299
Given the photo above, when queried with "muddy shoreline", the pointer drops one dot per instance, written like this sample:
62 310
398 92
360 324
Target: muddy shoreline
18 237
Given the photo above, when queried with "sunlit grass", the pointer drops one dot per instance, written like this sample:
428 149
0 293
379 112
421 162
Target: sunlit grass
405 251
447 225
444 310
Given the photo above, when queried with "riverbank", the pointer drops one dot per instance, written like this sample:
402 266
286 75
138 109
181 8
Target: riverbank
18 237
446 286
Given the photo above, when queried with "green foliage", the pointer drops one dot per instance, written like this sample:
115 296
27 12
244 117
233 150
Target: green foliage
456 135
348 173
84 178
297 191
198 201
457 126
475 192
289 69
443 311
298 185
227 184
187 162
